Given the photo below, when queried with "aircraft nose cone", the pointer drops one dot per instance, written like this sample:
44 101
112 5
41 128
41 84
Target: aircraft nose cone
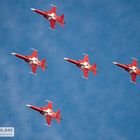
65 58
28 105
33 9
13 53
115 63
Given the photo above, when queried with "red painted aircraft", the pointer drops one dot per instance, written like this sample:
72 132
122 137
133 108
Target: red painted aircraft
47 112
84 65
131 68
32 60
51 16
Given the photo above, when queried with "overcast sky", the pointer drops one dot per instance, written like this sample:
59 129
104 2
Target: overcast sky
105 107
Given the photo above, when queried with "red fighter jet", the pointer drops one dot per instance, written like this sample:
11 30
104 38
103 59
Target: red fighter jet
51 16
47 112
84 65
131 68
32 60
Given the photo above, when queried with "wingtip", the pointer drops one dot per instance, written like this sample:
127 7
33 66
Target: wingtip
47 124
134 58
48 101
33 73
52 5
85 54
84 77
133 82
51 29
34 49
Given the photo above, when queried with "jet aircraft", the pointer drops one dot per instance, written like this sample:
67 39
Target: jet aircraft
51 16
32 60
84 65
47 112
131 68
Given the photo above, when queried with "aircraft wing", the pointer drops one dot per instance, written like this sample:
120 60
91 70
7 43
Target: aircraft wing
53 10
134 62
85 71
133 77
48 120
35 54
48 106
52 23
86 58
34 67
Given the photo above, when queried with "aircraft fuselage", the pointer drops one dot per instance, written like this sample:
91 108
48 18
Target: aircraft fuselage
85 65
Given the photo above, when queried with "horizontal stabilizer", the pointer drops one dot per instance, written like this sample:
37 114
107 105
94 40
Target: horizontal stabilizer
58 116
61 20
43 64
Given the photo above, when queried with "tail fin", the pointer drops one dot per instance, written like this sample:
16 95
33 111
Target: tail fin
93 68
43 64
61 20
58 116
